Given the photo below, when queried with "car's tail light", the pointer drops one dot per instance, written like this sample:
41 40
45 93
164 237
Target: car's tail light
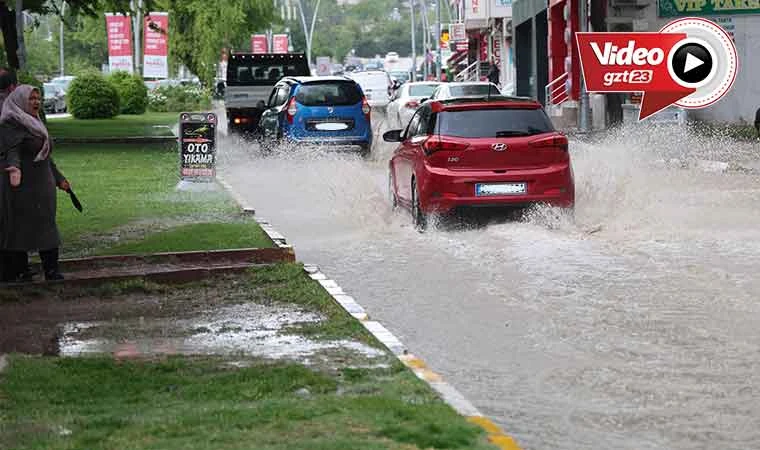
292 110
558 142
412 104
436 144
366 108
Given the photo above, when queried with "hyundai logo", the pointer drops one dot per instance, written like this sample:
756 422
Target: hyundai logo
499 147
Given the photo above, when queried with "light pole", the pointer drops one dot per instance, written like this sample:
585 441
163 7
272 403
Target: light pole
414 49
63 9
308 33
585 110
439 66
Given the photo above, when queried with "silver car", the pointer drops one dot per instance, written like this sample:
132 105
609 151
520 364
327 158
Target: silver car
407 99
465 89
55 98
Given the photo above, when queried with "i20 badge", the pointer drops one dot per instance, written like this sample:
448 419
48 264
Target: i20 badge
499 147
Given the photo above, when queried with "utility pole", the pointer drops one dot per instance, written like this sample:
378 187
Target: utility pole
137 20
414 49
63 9
439 65
425 38
585 110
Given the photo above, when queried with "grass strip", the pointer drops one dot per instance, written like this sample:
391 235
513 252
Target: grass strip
207 402
129 193
183 403
148 124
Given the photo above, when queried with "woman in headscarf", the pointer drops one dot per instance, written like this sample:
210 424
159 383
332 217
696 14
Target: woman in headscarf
28 196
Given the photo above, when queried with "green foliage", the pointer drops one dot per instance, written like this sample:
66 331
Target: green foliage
179 98
200 29
91 96
133 94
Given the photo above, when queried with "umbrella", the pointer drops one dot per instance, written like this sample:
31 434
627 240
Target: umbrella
74 199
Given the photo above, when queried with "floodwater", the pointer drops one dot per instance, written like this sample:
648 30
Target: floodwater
634 326
246 330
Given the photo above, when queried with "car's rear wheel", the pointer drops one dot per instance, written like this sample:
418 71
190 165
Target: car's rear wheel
419 217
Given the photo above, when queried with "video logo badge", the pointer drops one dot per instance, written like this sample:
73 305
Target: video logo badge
691 63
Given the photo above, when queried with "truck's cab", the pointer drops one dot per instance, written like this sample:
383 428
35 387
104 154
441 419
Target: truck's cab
250 79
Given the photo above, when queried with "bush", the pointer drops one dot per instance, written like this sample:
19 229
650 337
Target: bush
179 98
133 94
90 96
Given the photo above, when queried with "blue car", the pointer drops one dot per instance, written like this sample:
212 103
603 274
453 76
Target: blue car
318 110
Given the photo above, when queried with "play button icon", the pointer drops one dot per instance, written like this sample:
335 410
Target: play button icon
692 63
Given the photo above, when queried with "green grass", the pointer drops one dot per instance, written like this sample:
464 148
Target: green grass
200 236
120 126
93 403
741 132
287 283
128 193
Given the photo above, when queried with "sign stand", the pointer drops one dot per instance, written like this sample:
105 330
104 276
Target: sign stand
197 151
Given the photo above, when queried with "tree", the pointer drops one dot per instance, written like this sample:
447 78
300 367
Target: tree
8 23
202 28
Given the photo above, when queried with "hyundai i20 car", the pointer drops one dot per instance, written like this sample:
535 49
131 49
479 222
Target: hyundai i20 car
318 110
497 152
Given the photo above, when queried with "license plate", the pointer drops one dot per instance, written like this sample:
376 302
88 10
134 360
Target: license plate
500 189
331 126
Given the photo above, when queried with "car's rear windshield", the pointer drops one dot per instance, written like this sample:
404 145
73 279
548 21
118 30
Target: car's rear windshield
493 123
422 90
262 73
473 89
332 93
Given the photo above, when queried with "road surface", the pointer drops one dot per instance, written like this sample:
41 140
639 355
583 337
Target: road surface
633 327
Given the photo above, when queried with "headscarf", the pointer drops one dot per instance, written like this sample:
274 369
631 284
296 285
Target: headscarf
16 109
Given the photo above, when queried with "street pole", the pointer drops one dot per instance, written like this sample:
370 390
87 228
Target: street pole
425 39
439 65
585 110
414 49
63 9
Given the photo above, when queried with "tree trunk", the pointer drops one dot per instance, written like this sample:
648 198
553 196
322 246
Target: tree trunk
10 38
21 51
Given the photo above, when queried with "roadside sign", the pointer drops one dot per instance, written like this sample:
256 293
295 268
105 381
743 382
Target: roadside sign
197 146
323 66
458 32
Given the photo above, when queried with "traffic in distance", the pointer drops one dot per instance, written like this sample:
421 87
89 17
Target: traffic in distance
459 145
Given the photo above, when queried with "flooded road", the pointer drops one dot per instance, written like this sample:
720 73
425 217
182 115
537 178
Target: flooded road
633 327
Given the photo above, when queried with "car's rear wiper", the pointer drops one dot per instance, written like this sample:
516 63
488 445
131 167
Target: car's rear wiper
508 133
527 132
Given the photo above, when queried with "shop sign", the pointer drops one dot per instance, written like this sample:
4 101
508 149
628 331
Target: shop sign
682 8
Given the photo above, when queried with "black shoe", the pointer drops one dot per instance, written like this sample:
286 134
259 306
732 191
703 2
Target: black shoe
53 276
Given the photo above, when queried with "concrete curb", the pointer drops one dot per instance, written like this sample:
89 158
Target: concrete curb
118 140
446 391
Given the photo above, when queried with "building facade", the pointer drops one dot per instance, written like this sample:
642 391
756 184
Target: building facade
547 65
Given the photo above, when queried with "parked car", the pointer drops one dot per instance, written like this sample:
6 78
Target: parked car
64 81
498 152
465 89
406 100
376 85
318 110
55 98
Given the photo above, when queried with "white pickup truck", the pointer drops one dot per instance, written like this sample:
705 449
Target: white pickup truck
250 79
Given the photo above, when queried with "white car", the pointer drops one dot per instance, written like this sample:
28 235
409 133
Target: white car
377 86
407 99
465 89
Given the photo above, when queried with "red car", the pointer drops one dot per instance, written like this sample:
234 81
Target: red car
487 152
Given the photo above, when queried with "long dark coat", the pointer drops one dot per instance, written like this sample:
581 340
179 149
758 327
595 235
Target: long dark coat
27 212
